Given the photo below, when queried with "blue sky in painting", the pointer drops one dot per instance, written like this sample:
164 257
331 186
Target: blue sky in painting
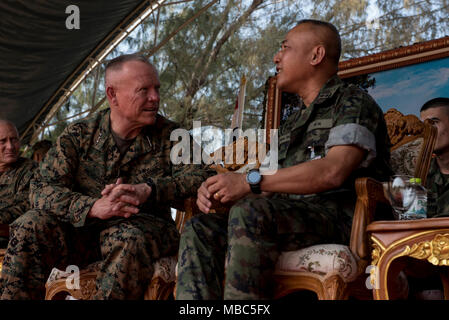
408 88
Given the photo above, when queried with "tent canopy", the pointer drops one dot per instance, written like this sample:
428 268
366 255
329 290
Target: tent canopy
39 54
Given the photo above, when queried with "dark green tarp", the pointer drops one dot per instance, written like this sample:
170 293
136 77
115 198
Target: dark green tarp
38 52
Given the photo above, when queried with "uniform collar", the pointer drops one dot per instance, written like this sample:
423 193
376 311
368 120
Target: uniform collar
328 90
142 143
104 136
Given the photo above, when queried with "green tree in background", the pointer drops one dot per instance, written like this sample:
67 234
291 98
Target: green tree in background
201 66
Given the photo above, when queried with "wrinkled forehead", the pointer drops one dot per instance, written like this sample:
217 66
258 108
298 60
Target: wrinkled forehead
133 70
7 128
133 66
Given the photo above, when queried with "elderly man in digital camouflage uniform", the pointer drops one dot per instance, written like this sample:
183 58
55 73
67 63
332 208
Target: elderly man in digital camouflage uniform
338 134
15 175
104 193
437 182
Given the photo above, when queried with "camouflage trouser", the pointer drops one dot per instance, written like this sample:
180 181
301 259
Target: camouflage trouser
250 239
8 215
127 247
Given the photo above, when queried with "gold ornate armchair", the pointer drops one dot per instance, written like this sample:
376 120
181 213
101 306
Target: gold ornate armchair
335 271
160 288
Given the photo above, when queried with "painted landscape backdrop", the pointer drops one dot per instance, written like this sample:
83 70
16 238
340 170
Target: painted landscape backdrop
408 88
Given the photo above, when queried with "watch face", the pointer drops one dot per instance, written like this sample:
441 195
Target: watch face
253 177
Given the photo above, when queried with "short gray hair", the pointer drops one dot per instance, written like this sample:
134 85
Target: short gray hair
9 123
117 63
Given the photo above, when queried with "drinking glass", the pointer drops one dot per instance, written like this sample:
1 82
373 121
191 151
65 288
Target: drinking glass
401 194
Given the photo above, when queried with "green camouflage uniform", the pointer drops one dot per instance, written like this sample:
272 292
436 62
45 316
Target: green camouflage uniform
257 229
57 233
437 192
14 190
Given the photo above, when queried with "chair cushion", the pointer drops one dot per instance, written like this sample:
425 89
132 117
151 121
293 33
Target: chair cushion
323 260
403 159
57 274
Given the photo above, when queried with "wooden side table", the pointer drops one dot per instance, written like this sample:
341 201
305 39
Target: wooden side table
425 239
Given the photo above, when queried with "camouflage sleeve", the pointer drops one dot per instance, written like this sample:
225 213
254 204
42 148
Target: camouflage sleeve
355 123
22 196
184 181
52 189
19 203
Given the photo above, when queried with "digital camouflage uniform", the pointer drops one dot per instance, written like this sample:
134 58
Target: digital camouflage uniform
258 229
14 190
56 232
437 192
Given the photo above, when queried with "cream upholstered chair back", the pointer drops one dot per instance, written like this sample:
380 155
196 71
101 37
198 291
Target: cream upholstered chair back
412 142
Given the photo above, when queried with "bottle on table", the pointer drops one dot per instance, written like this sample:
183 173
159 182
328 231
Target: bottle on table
418 209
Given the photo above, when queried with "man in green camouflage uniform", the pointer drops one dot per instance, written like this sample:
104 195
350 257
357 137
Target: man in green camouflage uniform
339 134
438 177
15 175
104 193
423 278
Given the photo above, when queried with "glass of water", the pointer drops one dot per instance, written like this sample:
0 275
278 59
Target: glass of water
401 194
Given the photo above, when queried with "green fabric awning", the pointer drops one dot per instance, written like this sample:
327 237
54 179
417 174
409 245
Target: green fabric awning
38 53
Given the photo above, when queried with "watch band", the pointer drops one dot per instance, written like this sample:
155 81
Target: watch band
255 188
151 183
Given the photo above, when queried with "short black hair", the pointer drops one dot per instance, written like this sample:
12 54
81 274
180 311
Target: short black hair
334 49
436 102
